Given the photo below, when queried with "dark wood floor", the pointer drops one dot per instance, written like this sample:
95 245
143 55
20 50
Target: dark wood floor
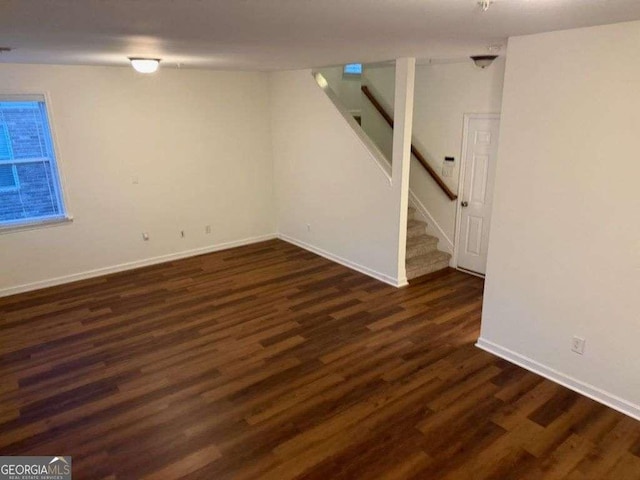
268 362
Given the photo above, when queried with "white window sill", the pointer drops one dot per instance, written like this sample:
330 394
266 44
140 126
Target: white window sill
45 222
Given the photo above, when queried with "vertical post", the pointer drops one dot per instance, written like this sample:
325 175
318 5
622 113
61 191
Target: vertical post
401 156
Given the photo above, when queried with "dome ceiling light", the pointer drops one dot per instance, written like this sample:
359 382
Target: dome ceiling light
483 61
145 65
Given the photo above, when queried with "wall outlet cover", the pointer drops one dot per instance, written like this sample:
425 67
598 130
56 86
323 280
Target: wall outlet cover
577 345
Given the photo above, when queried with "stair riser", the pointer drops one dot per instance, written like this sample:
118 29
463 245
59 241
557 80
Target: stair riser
416 230
418 272
422 249
422 256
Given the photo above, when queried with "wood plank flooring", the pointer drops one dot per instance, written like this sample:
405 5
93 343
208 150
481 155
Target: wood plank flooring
269 362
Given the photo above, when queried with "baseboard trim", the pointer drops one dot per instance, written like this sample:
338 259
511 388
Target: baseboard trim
431 222
394 282
470 272
28 287
594 393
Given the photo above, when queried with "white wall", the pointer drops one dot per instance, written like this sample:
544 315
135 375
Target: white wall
198 141
443 94
381 83
564 254
326 177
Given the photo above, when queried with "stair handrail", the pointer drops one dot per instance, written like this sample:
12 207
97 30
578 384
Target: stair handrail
416 153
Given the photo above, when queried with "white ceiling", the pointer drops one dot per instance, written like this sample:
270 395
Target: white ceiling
280 34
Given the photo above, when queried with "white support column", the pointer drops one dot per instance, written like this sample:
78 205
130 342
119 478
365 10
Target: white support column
401 157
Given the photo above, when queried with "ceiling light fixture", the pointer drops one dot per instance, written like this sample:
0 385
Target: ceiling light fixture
485 4
145 65
483 61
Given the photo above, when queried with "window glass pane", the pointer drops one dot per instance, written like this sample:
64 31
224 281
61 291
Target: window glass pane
29 185
353 69
7 178
25 123
5 143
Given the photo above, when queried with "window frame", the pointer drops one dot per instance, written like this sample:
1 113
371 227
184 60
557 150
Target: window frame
56 166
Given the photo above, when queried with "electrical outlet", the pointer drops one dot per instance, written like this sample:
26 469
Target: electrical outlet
207 229
145 236
577 345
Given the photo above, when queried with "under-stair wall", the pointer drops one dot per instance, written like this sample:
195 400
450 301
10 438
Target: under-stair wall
333 195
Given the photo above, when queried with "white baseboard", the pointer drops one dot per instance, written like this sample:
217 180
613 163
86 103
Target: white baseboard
594 393
470 272
51 282
131 265
432 225
395 282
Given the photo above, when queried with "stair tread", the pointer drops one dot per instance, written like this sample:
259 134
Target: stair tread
415 228
415 223
423 256
427 269
420 245
427 259
413 241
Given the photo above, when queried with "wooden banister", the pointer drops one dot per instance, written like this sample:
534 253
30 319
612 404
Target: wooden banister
416 153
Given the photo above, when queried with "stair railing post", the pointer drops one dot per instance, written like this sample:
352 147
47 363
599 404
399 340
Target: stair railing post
401 156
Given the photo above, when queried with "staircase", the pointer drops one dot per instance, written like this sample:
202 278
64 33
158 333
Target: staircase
423 255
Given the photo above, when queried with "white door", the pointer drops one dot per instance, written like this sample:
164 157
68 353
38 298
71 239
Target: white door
474 209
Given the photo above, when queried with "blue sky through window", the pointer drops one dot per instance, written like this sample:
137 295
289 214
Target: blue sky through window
353 69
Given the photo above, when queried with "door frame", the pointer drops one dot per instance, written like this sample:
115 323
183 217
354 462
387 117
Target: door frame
463 164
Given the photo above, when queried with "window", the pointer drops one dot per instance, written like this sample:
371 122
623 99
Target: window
29 183
352 70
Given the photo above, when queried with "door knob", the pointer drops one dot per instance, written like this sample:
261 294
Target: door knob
464 204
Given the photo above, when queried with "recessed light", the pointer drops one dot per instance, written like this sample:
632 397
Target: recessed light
145 65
